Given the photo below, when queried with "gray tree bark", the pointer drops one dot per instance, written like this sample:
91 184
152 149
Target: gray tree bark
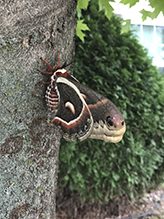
29 145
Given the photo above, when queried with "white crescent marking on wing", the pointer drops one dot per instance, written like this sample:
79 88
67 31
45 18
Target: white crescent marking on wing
70 106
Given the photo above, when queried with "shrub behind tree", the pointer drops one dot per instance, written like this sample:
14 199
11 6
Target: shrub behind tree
118 67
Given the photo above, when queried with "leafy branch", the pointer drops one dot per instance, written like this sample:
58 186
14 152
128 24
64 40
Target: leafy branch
157 5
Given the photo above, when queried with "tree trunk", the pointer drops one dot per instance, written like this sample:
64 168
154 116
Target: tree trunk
29 145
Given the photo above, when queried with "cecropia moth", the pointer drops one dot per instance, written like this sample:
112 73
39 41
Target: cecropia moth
79 111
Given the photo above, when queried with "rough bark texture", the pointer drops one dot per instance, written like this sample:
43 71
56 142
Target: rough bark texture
29 145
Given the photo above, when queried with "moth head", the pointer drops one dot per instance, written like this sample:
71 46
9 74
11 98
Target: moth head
61 72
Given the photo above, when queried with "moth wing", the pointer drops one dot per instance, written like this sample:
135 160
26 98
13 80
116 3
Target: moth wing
108 122
73 115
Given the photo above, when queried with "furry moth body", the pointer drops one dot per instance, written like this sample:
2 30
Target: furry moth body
80 111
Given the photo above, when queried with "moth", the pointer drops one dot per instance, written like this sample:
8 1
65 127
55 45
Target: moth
79 111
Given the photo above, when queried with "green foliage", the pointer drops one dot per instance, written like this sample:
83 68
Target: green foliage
83 4
81 27
104 4
125 26
157 5
118 67
130 2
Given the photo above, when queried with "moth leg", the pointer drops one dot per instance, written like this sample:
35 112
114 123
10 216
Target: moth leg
52 70
46 72
48 65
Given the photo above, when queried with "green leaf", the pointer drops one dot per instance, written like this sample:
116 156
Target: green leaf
115 176
150 14
155 13
158 5
113 184
66 178
83 4
104 4
79 14
132 160
81 26
130 2
125 26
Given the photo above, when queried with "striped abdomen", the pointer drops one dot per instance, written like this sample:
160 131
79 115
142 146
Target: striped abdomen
52 97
